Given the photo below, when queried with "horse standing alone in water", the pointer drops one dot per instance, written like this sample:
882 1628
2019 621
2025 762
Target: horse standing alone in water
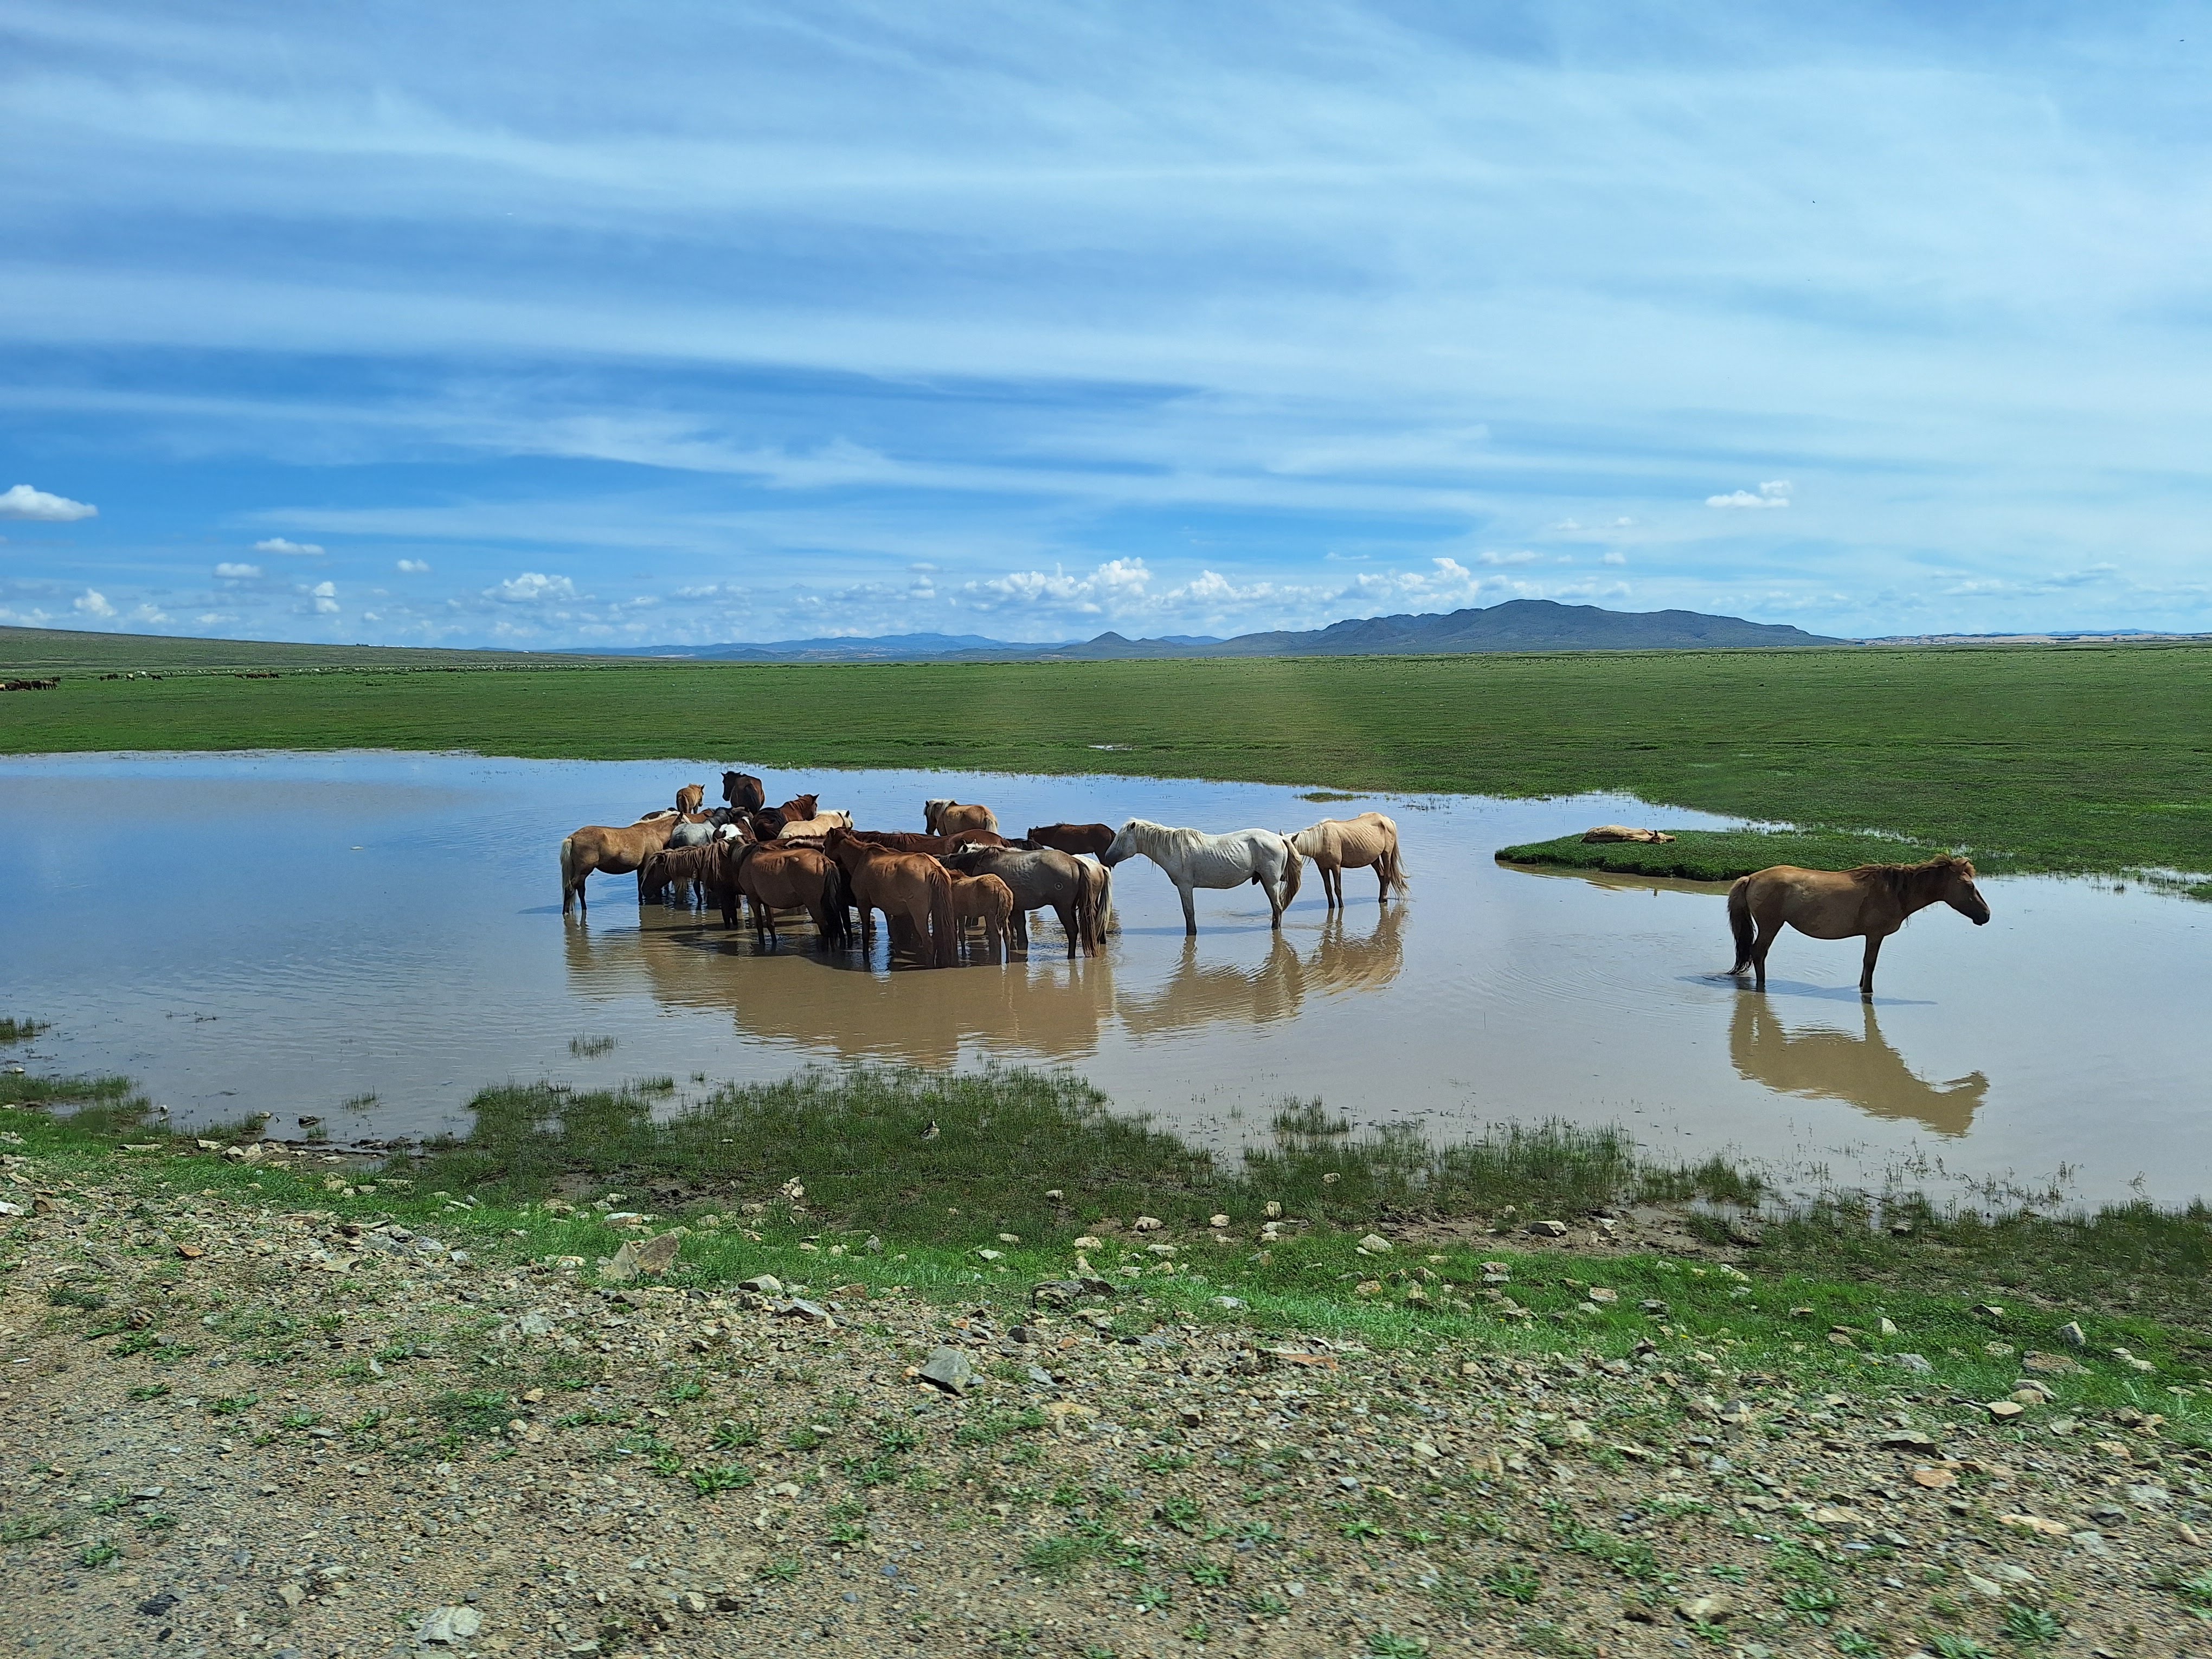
1336 845
1874 900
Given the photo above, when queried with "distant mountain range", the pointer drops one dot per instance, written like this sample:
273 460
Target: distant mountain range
1514 625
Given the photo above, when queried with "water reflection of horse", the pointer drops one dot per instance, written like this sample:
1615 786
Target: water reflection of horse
1203 992
835 1008
1825 1064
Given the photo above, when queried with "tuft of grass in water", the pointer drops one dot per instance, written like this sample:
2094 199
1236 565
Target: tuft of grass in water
19 1030
1326 794
591 1047
1719 855
360 1102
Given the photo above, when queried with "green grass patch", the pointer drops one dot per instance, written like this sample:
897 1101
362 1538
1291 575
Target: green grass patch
1719 855
19 1030
2062 757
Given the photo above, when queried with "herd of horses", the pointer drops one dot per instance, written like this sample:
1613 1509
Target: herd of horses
959 875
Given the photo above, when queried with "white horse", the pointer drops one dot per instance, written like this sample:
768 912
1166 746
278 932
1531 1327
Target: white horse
1194 859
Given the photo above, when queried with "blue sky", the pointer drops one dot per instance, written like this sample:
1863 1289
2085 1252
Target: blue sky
567 325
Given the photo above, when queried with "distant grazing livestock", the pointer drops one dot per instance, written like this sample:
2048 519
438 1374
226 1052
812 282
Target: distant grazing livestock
1194 859
1336 845
1872 900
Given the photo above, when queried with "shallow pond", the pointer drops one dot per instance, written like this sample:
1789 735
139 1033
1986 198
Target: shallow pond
367 939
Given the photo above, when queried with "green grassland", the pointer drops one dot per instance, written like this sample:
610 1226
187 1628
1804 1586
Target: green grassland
1719 855
2060 758
889 1207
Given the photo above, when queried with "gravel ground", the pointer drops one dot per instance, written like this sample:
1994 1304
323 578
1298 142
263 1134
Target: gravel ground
230 1430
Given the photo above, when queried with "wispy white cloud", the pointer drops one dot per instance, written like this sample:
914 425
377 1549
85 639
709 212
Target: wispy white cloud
413 567
21 501
237 572
295 550
532 588
1775 494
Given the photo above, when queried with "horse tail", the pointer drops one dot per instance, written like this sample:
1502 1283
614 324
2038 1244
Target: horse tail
1393 869
567 872
1739 923
943 927
1107 922
1086 907
1293 872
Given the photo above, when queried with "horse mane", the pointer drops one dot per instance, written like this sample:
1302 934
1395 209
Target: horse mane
1908 882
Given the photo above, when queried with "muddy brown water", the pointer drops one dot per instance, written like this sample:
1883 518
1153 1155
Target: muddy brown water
368 939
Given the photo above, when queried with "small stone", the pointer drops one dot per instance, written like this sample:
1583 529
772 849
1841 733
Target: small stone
1653 1306
692 1602
1916 1363
656 1254
2051 1365
1191 1416
812 1312
949 1369
1375 1244
1934 1479
1706 1609
1602 1297
1054 1195
449 1626
291 1594
154 1606
1148 1223
1087 1242
1908 1440
2004 1410
2039 1525
762 1284
1987 1310
2072 1334
621 1267
1548 1229
1886 1328
992 1255
1274 1211
1216 1221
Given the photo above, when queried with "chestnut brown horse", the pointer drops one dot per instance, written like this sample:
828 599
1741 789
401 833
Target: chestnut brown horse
913 890
1874 900
612 852
944 818
779 878
1075 889
743 792
1092 838
990 900
905 841
798 807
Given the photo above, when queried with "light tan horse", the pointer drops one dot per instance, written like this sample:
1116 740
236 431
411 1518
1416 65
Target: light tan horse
949 817
689 798
1872 900
913 890
1336 845
815 828
990 900
611 853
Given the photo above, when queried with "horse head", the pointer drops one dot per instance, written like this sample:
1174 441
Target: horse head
1960 891
1126 844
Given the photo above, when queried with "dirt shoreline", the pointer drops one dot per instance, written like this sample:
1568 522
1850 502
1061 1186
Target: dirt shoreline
254 1430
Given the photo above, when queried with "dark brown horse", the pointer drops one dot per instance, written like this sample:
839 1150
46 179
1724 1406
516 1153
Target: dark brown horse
905 841
1872 900
703 864
800 808
767 823
1092 838
743 792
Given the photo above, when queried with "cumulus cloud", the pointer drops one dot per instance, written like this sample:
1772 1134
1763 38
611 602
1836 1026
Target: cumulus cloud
93 603
237 572
413 567
297 550
1614 558
1116 580
1774 494
25 503
325 596
532 588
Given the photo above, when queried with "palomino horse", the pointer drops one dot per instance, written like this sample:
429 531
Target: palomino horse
611 851
1336 845
1194 859
1872 900
689 798
913 890
945 818
1075 891
743 792
990 900
1092 838
815 828
786 879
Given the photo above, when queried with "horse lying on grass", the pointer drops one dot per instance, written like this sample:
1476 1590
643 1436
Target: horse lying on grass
1194 859
1336 845
1874 900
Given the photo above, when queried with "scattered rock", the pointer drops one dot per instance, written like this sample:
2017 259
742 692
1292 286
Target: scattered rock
1548 1229
656 1254
2072 1334
2051 1365
2004 1410
949 1369
1375 1244
762 1284
449 1626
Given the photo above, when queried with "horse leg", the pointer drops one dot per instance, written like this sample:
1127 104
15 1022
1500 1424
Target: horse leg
1066 914
1275 891
1333 885
1866 973
1382 881
1766 932
1189 914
